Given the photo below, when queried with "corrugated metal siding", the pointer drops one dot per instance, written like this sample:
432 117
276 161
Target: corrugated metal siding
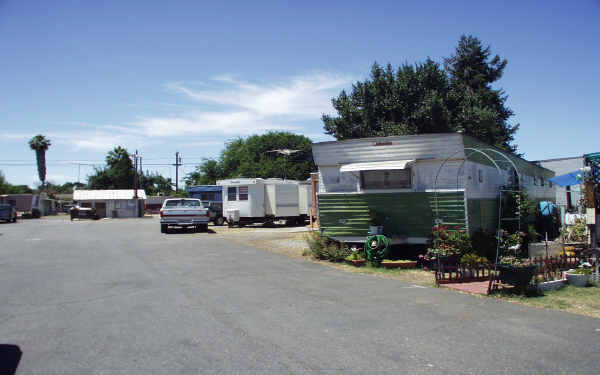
524 166
408 214
388 149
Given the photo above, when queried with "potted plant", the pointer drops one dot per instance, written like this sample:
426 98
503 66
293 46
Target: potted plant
579 277
356 258
469 262
402 263
377 220
516 271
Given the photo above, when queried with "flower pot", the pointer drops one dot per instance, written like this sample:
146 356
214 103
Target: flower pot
577 279
551 285
517 276
357 262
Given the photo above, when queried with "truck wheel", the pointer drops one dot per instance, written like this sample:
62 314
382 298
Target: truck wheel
204 227
164 228
219 220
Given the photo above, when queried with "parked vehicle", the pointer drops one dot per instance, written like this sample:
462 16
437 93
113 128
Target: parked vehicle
257 200
8 213
78 212
211 197
184 212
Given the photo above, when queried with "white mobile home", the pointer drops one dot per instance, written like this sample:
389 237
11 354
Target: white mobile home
414 181
257 200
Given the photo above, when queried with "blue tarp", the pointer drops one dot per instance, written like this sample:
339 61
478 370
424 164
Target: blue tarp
568 179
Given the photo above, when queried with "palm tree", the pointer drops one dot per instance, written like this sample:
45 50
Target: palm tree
40 144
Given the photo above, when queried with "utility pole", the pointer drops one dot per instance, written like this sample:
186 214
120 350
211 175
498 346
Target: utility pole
177 165
135 173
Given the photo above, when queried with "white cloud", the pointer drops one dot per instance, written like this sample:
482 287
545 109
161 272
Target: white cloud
222 108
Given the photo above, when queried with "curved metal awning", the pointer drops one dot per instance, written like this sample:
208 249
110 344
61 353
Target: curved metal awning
376 166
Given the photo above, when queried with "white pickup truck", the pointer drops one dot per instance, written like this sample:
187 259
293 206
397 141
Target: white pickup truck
183 212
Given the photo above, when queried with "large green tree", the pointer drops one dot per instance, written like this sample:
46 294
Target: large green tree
426 98
118 173
258 156
477 108
40 145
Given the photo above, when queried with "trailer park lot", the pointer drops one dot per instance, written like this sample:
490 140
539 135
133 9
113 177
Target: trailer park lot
119 297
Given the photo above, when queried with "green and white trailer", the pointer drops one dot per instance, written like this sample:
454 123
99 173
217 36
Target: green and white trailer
415 180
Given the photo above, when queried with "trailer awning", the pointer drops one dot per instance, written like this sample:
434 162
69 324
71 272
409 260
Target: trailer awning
376 166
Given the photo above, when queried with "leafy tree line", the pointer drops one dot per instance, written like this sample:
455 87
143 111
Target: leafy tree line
255 156
428 98
119 173
8 188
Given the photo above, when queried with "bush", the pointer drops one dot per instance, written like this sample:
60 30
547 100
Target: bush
323 248
484 244
36 213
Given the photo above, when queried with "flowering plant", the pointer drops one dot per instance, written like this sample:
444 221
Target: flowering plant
514 261
447 242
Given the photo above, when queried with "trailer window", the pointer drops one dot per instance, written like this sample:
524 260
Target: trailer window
243 193
388 179
232 193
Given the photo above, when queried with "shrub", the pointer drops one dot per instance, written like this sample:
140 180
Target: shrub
323 248
36 213
484 244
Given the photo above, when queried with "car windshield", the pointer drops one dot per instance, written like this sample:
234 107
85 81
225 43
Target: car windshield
183 203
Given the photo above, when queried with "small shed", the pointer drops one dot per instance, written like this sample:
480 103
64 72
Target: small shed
112 203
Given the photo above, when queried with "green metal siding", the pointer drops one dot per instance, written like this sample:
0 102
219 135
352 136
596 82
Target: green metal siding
407 214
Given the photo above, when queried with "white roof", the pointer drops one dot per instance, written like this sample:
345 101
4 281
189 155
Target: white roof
87 195
373 166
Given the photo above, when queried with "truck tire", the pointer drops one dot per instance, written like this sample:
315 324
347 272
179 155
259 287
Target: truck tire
204 228
219 220
164 228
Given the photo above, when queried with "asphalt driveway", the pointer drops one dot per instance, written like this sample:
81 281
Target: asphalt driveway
119 297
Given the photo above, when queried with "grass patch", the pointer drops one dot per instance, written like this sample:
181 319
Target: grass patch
413 276
584 301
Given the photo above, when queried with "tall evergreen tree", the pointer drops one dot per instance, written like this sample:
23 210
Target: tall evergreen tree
478 109
425 98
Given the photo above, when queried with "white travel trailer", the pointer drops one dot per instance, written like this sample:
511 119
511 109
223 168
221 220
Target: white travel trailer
257 200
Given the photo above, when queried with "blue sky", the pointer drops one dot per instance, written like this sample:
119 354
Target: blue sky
187 76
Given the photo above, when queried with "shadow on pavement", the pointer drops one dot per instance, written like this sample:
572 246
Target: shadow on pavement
10 356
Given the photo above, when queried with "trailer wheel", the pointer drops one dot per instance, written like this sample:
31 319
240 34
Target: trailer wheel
164 228
219 220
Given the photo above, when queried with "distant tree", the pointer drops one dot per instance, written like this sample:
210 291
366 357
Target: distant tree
118 173
255 156
207 173
40 145
8 188
425 98
155 184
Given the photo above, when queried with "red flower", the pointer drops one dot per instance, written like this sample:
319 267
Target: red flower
435 227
